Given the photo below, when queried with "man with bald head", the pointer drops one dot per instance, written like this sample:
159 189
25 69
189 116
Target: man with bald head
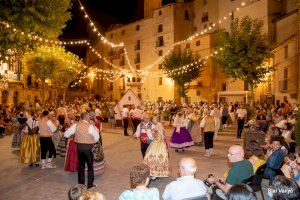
186 186
241 169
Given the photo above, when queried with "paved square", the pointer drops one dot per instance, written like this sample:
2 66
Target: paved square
18 181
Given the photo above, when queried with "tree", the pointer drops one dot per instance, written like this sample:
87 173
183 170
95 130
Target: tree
52 63
179 59
246 50
45 19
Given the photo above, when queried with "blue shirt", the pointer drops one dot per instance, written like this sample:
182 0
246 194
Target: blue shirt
151 194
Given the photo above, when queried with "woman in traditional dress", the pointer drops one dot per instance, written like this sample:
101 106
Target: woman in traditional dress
17 138
157 155
181 137
30 145
99 161
195 130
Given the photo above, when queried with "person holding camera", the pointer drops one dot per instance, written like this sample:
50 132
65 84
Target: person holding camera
30 144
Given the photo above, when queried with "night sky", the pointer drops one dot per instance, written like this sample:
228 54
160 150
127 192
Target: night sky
104 13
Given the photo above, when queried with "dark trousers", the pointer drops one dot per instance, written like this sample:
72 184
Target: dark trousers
144 147
47 145
209 140
135 123
85 155
240 127
61 120
125 125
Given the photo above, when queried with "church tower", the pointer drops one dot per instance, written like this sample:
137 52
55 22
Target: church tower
149 6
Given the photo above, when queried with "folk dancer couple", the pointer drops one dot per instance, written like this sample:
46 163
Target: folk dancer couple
154 147
33 143
85 141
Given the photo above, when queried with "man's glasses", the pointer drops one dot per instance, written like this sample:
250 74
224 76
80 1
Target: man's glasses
230 154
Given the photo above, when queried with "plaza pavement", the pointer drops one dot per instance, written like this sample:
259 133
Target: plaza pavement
20 182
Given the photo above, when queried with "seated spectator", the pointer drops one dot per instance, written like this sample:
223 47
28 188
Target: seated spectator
139 178
241 170
275 158
76 191
255 155
285 189
186 186
91 195
291 169
241 192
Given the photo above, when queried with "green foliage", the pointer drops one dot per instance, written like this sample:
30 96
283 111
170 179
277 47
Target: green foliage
178 59
52 63
297 129
45 18
246 49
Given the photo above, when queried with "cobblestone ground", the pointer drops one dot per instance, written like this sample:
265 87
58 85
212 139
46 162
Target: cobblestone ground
20 182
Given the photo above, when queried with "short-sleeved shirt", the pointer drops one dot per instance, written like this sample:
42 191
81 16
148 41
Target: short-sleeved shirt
239 172
151 194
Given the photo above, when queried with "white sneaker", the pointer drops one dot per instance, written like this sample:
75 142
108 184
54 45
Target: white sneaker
44 166
50 166
206 155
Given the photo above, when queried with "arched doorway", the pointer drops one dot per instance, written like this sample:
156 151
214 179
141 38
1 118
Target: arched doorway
16 98
4 97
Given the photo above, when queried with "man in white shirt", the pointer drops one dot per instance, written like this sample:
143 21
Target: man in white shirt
125 117
186 186
241 114
136 115
85 137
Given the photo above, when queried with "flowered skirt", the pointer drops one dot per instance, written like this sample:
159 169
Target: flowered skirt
157 158
30 149
181 139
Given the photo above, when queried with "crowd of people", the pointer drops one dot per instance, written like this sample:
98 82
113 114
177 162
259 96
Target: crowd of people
73 130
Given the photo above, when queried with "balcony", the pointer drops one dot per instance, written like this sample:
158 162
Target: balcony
137 60
137 47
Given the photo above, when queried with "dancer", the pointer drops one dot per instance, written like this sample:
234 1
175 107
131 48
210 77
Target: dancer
46 130
180 138
145 133
98 155
208 126
125 117
17 138
30 145
195 129
136 116
157 155
85 136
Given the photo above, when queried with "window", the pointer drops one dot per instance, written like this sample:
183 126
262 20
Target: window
198 43
285 79
269 85
138 67
137 59
160 41
160 66
195 28
198 93
128 80
286 52
204 2
224 87
137 28
204 17
159 12
123 32
140 95
133 79
205 26
200 83
160 28
137 45
160 81
187 46
138 79
186 15
159 98
29 82
232 15
111 86
160 52
111 36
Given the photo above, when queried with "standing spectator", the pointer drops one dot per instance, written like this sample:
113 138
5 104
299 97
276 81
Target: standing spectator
241 114
224 114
